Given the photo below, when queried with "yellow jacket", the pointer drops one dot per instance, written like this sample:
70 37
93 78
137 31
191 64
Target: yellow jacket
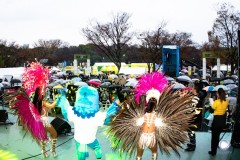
220 107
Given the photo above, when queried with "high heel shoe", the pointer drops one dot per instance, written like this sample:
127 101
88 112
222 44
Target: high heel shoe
53 150
44 152
211 153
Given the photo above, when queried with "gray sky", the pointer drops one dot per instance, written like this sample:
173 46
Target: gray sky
26 21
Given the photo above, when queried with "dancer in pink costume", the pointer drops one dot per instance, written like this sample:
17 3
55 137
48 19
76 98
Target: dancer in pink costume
31 106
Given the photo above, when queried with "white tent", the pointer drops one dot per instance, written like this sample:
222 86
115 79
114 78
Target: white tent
135 71
223 67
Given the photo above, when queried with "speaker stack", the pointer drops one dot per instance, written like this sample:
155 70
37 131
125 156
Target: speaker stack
3 116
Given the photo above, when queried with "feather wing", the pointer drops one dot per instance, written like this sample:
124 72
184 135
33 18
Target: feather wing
123 131
175 111
28 114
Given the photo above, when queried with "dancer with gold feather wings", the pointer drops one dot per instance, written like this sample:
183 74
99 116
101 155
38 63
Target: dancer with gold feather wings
157 117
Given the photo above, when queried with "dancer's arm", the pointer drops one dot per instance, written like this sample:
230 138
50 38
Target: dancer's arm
49 105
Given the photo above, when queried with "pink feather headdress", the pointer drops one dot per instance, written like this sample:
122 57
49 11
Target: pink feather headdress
151 81
35 76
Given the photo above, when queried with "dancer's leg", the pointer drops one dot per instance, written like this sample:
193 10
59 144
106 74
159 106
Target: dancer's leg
139 153
53 133
154 152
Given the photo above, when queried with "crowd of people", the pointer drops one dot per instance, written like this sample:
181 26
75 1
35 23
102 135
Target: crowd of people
144 112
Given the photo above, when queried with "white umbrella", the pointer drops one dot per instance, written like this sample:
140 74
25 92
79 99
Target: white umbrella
231 86
131 79
106 84
221 86
228 81
184 79
131 84
80 84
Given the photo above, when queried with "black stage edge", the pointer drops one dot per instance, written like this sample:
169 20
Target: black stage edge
235 141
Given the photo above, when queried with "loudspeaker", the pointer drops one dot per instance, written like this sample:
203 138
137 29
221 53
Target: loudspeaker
61 126
3 115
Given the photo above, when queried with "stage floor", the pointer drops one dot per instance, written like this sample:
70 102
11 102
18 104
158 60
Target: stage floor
11 139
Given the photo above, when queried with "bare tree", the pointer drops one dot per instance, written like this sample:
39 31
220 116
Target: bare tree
225 30
46 49
151 45
112 38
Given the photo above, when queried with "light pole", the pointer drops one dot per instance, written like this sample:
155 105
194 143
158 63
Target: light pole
235 141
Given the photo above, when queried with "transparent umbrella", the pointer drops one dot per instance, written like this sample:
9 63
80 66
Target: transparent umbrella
131 84
221 86
80 84
228 81
178 86
184 79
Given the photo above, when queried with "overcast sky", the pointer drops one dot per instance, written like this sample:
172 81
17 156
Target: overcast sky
26 21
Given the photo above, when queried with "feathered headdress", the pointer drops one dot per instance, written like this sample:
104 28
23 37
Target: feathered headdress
35 76
151 84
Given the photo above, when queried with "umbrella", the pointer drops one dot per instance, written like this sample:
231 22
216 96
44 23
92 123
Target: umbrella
80 84
184 71
231 86
95 79
131 84
170 79
178 86
105 84
53 84
76 79
58 86
208 88
205 82
221 86
234 76
228 81
114 86
131 79
184 79
94 83
195 79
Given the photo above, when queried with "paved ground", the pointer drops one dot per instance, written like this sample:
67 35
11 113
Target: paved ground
11 139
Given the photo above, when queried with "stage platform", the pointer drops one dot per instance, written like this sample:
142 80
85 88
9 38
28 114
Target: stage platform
11 139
